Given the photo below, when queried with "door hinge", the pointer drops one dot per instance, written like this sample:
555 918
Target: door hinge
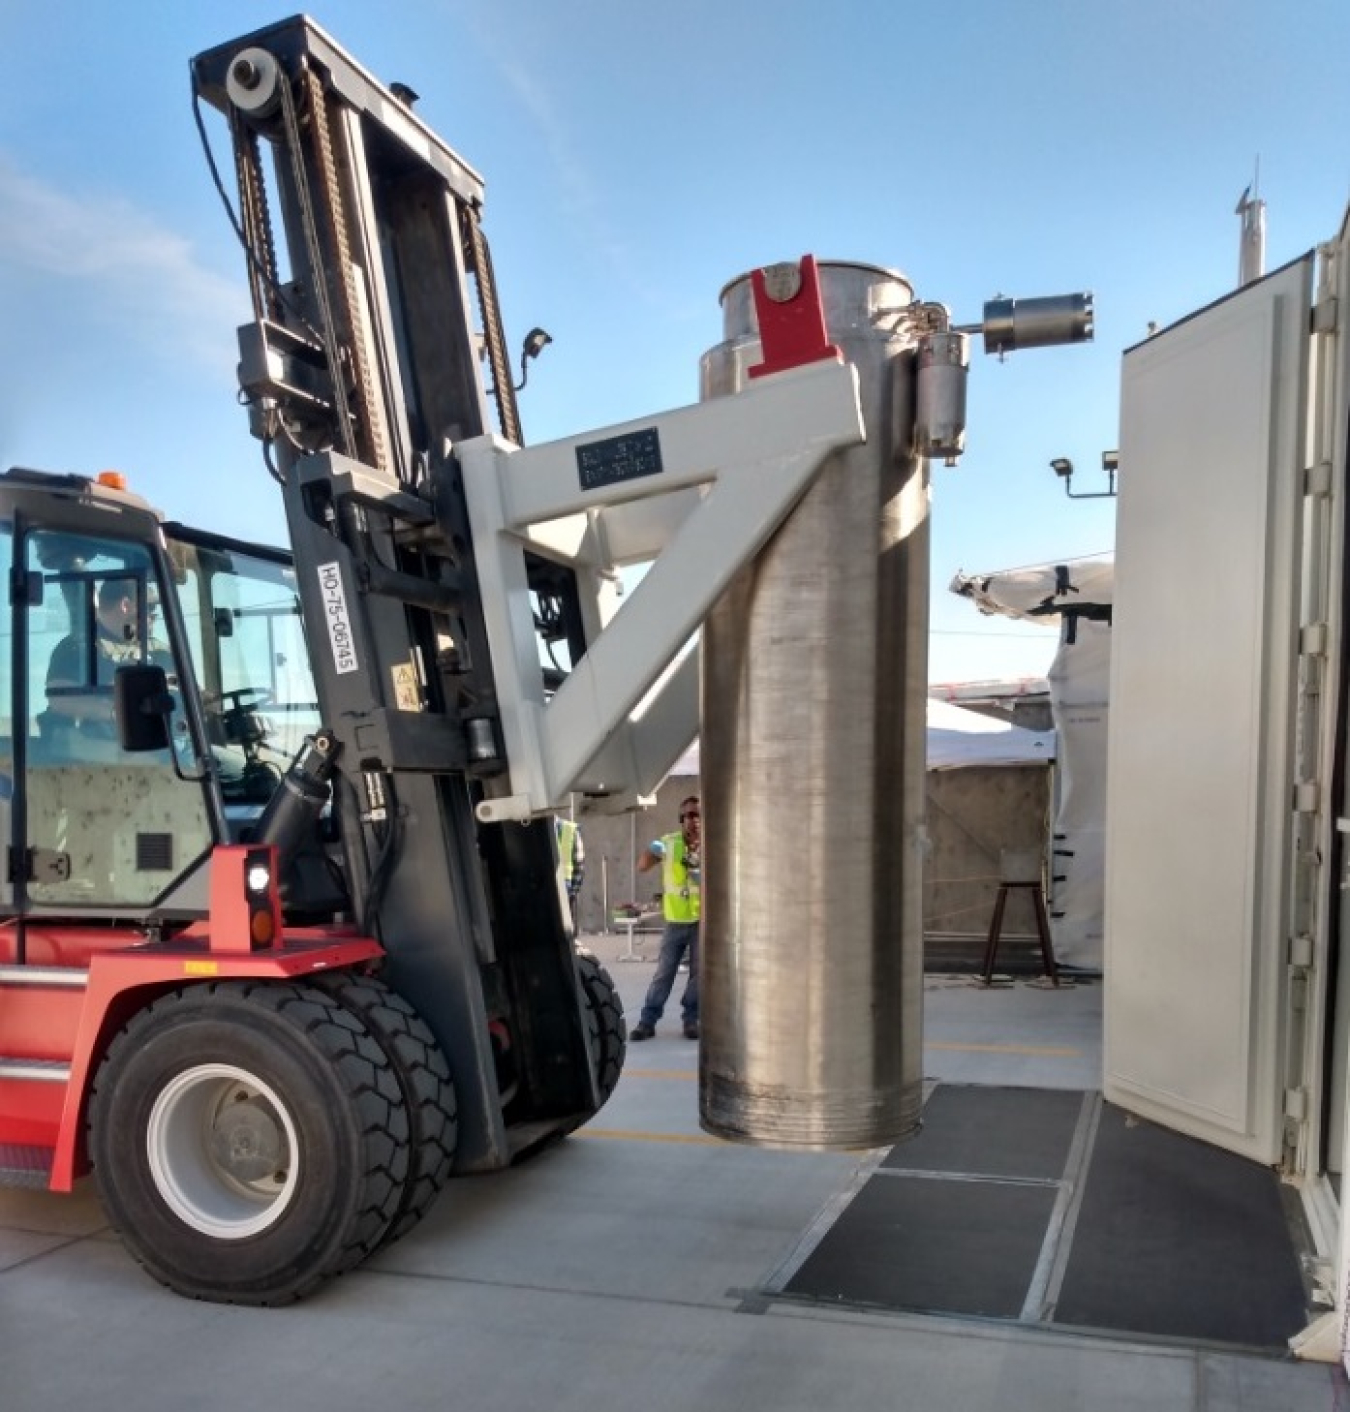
1296 1104
1317 479
1307 794
1312 640
1301 950
1324 315
25 588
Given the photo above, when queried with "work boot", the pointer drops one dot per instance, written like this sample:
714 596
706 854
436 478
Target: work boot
642 1030
691 1029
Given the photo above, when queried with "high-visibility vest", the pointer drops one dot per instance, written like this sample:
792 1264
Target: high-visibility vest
679 885
567 848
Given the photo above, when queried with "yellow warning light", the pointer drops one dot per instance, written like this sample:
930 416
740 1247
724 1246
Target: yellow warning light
114 480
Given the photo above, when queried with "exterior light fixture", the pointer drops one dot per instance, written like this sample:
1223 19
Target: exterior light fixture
535 342
1063 468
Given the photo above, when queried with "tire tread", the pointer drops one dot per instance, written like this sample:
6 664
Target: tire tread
334 1038
423 1073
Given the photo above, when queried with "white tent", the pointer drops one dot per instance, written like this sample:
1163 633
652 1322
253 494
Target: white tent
955 737
960 737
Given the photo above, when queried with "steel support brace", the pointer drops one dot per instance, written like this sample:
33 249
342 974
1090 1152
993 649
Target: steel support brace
715 480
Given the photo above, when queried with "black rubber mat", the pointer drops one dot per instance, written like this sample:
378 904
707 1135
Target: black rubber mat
1170 1237
1175 1237
917 1243
994 1132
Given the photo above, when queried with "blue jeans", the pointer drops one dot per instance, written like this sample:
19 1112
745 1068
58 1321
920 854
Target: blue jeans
677 938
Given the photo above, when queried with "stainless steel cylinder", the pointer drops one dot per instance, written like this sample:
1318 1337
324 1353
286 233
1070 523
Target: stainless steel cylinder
940 394
812 749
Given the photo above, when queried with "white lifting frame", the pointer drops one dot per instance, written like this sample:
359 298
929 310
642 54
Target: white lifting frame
731 470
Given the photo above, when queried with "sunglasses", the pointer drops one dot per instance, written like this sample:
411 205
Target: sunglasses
694 815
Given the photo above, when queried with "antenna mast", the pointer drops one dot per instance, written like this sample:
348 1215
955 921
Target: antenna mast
1252 253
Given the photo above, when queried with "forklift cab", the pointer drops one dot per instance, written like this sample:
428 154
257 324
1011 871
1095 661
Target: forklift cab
155 689
99 826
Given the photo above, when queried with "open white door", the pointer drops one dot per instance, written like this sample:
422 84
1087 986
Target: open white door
1200 762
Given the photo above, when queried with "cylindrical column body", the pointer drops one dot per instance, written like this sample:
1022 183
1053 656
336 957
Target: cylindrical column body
812 748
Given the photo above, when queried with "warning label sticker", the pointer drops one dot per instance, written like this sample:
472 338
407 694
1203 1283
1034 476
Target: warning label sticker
407 689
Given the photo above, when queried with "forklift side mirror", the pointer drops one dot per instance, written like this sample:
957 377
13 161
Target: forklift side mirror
142 706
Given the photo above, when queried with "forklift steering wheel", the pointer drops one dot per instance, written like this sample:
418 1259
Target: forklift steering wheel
239 717
244 698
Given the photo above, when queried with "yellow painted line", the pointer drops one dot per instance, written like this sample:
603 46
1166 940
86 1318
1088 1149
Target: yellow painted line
1046 1051
707 1140
620 1135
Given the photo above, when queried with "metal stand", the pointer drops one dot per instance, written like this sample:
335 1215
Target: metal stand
1042 927
630 925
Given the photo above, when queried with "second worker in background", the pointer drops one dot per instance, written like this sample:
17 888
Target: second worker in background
572 854
679 856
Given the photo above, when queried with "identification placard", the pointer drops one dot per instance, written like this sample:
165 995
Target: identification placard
336 616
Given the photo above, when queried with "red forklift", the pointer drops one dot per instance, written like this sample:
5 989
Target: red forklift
194 998
284 941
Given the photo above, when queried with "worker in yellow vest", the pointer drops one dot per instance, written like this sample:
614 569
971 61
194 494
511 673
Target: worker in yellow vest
679 855
572 856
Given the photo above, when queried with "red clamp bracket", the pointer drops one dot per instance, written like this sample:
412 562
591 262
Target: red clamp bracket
791 317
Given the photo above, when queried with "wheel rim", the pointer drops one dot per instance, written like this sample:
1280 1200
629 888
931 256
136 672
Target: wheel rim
223 1151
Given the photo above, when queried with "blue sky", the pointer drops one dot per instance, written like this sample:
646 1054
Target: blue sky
637 157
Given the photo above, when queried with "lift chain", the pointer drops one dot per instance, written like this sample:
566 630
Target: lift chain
255 220
504 390
370 427
327 330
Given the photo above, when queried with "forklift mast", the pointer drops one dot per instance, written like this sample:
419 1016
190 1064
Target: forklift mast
361 372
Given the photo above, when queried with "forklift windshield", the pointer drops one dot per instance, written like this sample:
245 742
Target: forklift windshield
242 616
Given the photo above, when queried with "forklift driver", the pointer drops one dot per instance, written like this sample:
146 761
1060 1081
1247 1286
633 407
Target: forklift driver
74 699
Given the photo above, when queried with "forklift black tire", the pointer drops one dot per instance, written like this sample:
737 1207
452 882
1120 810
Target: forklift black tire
249 1140
604 1016
423 1075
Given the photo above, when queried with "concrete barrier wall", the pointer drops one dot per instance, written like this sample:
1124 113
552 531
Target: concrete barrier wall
975 812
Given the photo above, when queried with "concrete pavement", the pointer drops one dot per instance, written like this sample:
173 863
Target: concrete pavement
622 1268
